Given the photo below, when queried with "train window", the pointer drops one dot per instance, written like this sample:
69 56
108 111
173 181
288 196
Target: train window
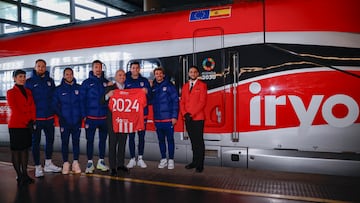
147 67
6 82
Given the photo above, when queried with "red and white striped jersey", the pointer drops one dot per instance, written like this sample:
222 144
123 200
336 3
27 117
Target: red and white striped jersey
127 107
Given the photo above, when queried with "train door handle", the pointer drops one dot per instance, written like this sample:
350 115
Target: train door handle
218 114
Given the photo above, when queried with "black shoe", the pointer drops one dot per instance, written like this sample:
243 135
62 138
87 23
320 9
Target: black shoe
113 172
26 179
199 169
123 168
19 181
190 166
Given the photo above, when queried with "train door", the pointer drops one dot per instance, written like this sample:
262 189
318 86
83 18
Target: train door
210 56
212 71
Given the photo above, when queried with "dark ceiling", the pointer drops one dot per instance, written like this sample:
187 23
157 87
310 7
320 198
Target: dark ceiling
134 6
128 6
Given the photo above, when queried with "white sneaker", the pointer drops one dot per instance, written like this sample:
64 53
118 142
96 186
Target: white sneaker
89 167
163 163
76 167
39 171
171 164
131 163
66 168
50 167
141 162
101 165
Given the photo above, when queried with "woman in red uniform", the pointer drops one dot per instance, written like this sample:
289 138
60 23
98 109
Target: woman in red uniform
20 124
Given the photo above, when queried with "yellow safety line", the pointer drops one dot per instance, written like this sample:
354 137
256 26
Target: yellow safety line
213 189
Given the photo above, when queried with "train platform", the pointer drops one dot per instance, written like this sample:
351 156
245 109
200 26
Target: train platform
214 184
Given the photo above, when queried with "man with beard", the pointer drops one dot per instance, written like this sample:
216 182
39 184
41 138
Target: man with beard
67 105
165 102
192 104
92 91
42 87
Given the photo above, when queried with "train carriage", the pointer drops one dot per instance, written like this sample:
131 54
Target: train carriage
282 76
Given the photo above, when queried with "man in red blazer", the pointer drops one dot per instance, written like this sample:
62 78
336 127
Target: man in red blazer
192 104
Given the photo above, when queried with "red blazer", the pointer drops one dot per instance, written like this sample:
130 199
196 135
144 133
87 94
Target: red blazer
22 110
194 102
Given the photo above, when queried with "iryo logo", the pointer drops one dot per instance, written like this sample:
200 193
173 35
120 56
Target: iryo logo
305 115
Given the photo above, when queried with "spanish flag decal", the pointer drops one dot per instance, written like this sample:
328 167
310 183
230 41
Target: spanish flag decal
220 12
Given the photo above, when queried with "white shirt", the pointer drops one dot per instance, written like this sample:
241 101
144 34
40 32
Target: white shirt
192 83
120 86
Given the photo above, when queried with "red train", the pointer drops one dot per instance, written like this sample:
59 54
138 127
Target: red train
283 76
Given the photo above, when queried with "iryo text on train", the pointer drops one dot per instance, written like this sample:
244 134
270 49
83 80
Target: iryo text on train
305 115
